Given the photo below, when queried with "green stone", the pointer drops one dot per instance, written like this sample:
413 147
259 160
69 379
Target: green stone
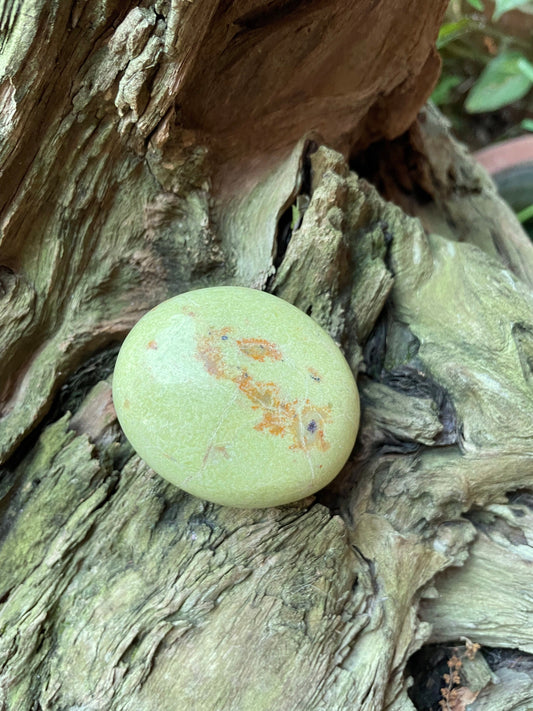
237 397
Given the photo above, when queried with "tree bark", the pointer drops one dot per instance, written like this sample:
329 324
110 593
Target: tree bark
151 149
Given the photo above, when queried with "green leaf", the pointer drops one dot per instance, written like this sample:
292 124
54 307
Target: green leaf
503 6
477 4
499 84
442 93
527 124
525 214
525 66
451 31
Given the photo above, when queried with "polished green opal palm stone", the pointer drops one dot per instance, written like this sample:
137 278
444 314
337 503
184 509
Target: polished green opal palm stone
237 397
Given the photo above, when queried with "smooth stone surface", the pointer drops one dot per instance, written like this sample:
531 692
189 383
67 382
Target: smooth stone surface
237 397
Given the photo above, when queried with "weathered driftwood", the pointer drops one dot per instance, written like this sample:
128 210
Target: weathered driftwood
500 555
145 150
134 595
119 591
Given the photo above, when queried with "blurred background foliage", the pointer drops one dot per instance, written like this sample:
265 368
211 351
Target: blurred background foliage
487 73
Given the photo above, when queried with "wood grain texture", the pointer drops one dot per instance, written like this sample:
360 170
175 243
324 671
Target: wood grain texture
144 152
131 594
147 150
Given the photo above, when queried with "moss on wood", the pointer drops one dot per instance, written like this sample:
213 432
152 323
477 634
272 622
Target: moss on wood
118 591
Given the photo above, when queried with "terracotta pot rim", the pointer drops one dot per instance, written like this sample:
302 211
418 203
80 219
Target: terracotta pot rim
506 154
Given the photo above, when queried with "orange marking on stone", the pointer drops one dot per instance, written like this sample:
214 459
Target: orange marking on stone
152 345
217 449
315 375
208 351
259 349
303 425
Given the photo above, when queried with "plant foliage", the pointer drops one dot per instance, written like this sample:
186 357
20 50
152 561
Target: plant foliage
502 82
485 67
503 6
